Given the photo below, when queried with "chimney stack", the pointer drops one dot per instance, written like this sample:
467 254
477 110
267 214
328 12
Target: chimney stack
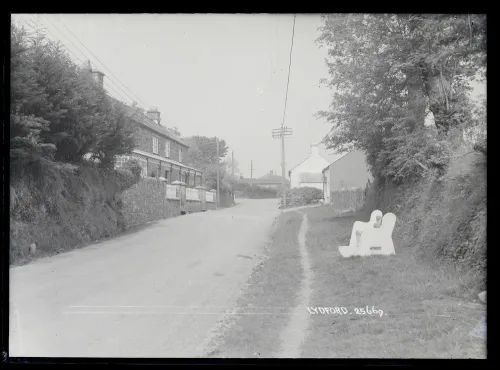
98 78
153 114
314 149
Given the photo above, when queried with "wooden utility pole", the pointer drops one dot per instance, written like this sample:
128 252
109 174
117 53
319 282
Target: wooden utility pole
232 165
283 166
217 200
281 133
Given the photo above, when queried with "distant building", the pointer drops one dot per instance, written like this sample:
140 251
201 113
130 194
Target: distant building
308 172
269 180
348 171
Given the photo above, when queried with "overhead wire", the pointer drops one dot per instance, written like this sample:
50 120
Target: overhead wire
289 68
76 56
86 56
105 67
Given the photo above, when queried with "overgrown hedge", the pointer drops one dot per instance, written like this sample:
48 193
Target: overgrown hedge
257 192
302 196
65 207
347 200
442 218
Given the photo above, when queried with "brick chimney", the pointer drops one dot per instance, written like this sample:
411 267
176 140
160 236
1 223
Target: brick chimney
98 77
153 114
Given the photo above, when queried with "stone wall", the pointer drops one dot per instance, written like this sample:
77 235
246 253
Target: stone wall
146 201
193 206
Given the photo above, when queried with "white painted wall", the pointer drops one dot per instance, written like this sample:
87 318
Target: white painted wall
314 163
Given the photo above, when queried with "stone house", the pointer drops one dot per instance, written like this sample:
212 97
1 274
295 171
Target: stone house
269 180
159 151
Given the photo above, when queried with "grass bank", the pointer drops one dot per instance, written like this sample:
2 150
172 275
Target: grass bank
270 296
426 311
61 208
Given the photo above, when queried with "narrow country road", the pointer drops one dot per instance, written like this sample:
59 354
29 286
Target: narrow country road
158 292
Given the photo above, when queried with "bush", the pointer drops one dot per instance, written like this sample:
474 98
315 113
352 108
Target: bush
256 192
347 199
64 208
302 196
442 218
134 167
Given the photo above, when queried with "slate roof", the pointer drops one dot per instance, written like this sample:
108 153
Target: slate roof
338 159
137 115
266 180
305 159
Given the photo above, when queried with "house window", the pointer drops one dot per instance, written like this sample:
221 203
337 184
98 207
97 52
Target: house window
167 149
180 154
155 145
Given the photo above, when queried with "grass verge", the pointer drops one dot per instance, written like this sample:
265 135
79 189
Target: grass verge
425 314
271 294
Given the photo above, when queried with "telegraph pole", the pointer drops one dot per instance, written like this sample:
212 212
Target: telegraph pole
281 133
284 130
217 142
251 169
232 165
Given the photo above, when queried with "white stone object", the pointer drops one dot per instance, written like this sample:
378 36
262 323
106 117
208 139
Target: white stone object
482 296
378 240
371 238
357 229
32 248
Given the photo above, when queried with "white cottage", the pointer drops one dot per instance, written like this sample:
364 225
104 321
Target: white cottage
308 172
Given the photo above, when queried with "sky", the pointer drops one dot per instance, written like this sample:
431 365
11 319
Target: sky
211 75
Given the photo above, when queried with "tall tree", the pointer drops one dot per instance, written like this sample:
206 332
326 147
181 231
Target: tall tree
203 151
57 105
26 96
202 154
388 71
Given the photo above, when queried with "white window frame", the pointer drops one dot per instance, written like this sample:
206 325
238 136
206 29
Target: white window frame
155 147
167 149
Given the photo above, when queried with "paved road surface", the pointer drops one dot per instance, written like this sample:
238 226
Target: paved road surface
158 292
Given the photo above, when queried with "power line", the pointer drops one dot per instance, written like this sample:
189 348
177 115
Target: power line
128 96
72 53
289 67
285 131
100 61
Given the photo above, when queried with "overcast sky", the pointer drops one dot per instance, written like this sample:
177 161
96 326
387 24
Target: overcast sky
212 75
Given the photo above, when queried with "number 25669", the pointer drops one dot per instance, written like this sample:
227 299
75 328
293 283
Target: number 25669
368 311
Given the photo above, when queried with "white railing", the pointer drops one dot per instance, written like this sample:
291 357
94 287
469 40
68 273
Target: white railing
192 194
172 192
210 197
